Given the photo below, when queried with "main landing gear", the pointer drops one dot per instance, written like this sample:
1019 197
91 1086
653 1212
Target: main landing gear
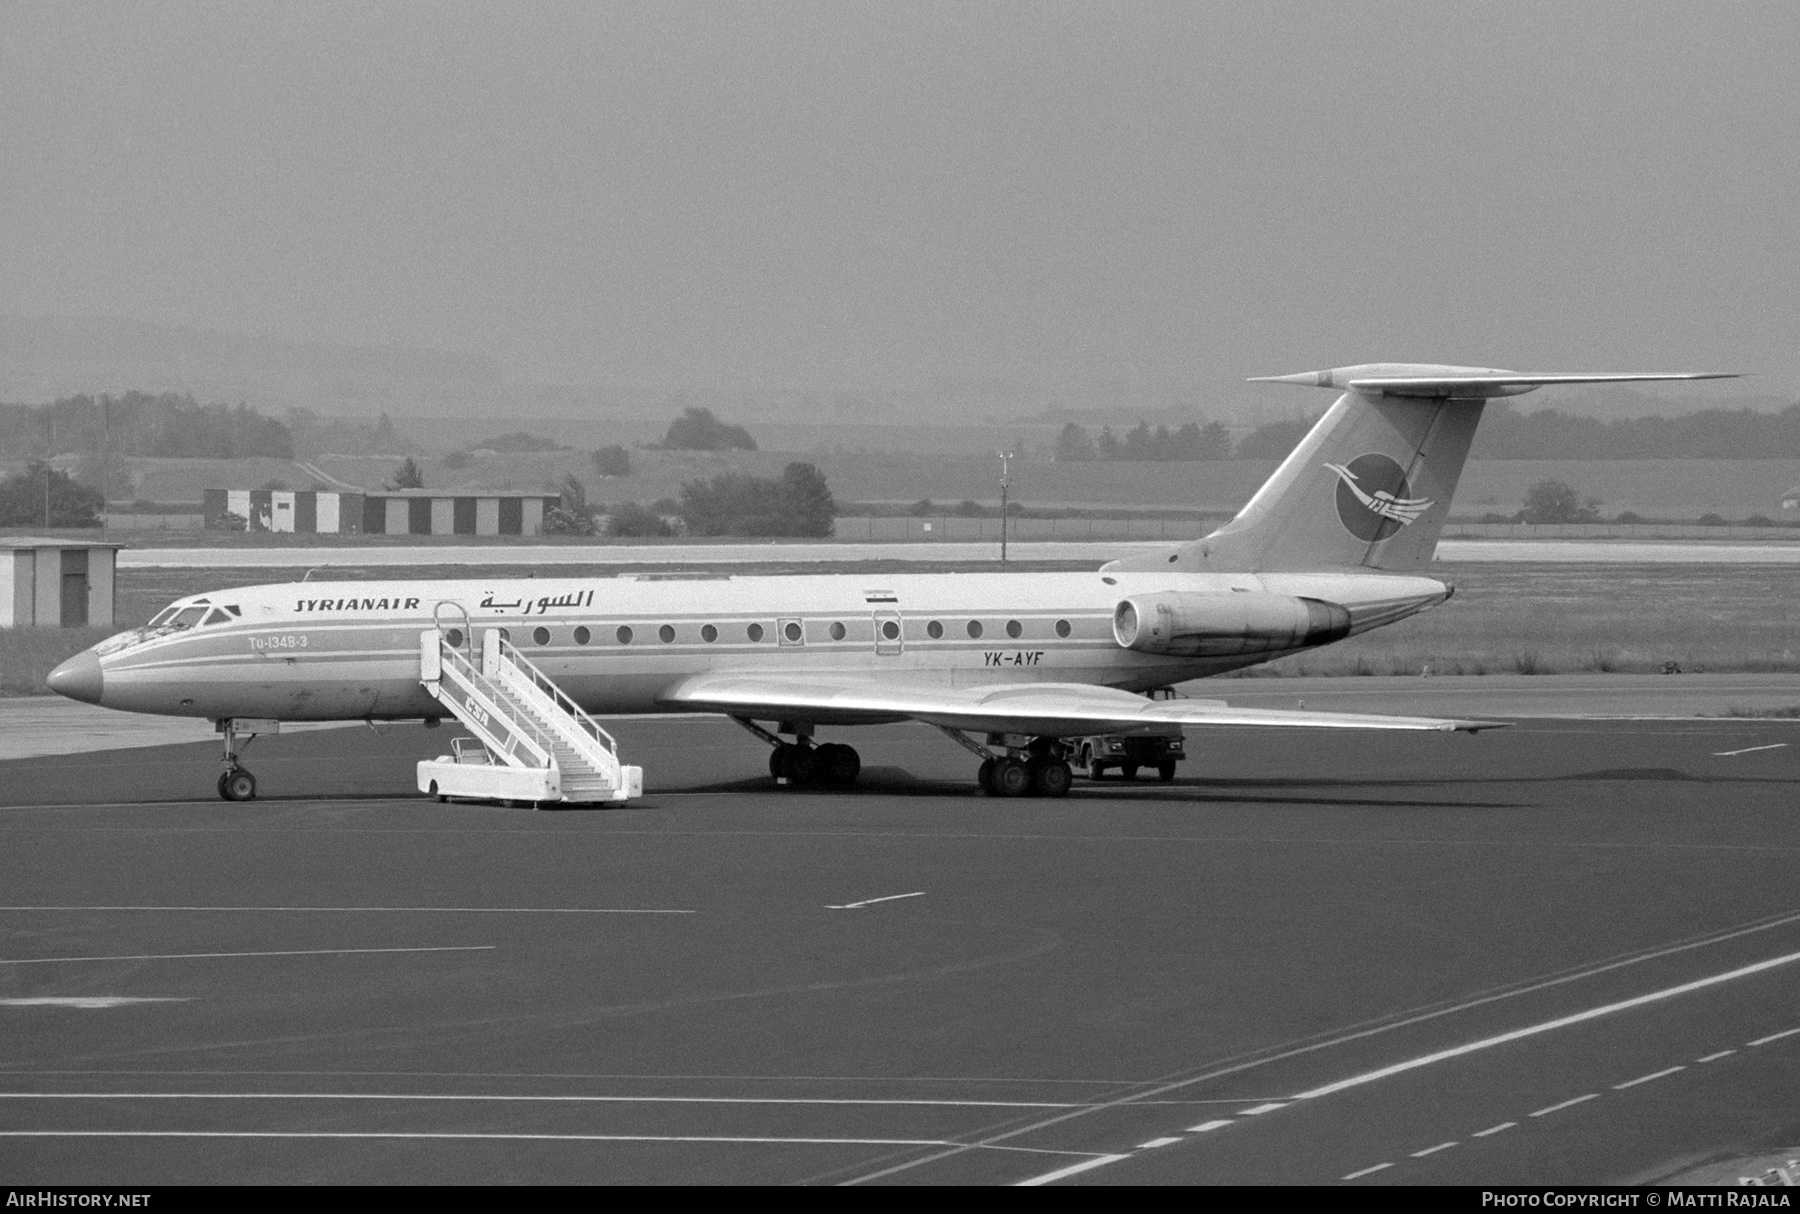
1031 767
237 783
800 764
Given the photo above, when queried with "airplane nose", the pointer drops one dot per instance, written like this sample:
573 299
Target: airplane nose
79 678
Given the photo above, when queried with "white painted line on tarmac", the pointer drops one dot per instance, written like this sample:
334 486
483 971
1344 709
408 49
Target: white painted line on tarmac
1156 1142
873 901
527 1099
1548 1025
1270 1107
1098 1161
1773 1037
1631 1083
1556 1108
1717 1056
93 1001
1207 1127
298 952
1494 1129
852 1142
1726 754
1442 1146
1366 1171
393 910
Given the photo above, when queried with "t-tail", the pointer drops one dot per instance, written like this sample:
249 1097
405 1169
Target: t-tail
1370 485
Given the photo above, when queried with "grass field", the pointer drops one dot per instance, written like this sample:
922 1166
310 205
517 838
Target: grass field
1504 619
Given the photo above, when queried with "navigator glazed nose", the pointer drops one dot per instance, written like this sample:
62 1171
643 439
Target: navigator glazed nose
79 678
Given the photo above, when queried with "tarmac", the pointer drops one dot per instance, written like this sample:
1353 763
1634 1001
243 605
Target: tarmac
1567 952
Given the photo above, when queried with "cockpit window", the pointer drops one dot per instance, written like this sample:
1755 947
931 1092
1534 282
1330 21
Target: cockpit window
216 616
232 608
187 617
162 617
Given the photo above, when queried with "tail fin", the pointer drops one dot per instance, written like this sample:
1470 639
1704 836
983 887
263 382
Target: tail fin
1370 485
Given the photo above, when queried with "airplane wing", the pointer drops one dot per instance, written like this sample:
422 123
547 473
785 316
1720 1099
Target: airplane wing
1046 709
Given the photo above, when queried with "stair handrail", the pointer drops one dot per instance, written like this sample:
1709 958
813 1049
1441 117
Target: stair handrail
467 672
547 685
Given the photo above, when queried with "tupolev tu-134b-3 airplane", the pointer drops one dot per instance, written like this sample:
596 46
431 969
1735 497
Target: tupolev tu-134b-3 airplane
1337 542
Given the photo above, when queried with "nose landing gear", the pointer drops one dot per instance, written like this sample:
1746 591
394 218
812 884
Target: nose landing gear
237 783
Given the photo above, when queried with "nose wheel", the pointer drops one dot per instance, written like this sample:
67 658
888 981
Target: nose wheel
237 784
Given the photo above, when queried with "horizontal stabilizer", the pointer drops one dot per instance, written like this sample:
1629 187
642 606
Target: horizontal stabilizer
1463 383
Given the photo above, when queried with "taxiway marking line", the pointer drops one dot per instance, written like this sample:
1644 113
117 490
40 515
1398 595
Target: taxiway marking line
1631 1083
1725 754
873 901
299 952
1556 1108
398 910
1442 1146
1366 1171
91 1002
1206 1127
1270 1107
1098 1161
1546 1026
1717 1056
1494 1129
1360 1033
1773 1037
856 1142
961 1104
1156 1142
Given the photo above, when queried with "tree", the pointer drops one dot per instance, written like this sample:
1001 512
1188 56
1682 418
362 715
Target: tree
1138 443
797 503
1275 440
698 430
1557 502
1215 442
612 461
1108 445
71 503
408 475
631 519
1074 445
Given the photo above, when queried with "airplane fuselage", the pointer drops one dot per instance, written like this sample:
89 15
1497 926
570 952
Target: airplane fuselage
309 651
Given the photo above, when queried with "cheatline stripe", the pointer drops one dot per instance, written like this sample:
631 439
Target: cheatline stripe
1561 1022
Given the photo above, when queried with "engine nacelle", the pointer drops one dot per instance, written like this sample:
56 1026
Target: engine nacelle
1188 624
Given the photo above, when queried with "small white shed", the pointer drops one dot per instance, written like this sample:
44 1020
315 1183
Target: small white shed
56 583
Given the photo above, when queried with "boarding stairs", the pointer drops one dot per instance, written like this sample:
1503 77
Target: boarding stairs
537 744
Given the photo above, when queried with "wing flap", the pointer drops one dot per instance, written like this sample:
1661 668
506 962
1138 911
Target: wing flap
1045 709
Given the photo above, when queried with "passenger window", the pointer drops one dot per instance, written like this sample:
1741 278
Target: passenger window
583 636
666 632
934 630
1062 628
624 634
709 634
890 629
754 632
454 638
793 632
1014 629
837 631
975 628
540 636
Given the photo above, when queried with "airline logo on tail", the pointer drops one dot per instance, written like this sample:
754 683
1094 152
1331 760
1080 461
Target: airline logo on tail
1372 497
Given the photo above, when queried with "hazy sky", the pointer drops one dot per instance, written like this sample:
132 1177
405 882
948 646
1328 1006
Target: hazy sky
872 195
